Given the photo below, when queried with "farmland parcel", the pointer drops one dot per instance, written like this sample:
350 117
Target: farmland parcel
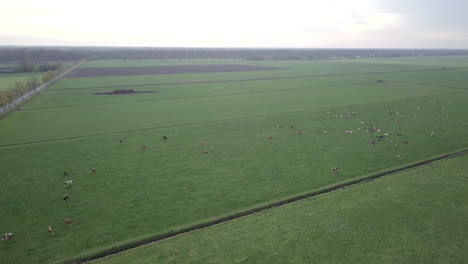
251 118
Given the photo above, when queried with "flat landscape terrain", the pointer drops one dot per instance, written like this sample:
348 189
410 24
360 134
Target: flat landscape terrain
201 146
408 217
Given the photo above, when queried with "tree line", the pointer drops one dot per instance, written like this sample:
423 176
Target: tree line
20 88
38 54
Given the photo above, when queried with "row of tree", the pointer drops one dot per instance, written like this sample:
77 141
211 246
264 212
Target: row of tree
29 66
42 54
22 87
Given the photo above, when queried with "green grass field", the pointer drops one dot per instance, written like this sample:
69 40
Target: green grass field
137 194
416 216
8 80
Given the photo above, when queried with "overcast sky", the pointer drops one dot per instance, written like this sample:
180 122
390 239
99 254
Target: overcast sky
237 23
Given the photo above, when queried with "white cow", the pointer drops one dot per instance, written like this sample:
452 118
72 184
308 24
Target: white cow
7 236
68 183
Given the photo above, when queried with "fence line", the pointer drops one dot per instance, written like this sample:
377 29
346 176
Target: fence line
22 98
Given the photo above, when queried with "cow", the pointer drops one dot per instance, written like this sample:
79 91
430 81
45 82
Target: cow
65 173
65 198
68 222
7 236
50 231
406 142
299 132
206 152
212 147
398 134
164 138
68 183
93 170
144 147
334 169
278 126
121 141
201 143
270 137
398 156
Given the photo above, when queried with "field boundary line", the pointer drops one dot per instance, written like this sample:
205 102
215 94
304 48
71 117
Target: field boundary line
418 84
261 79
228 218
214 121
195 97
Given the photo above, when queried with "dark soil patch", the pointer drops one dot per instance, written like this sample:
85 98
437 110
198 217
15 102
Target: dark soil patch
124 92
155 70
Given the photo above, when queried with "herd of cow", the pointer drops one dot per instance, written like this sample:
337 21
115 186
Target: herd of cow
371 143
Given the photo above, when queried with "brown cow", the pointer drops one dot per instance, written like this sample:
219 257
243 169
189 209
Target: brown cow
68 222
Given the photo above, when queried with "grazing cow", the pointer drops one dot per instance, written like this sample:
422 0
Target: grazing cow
398 134
348 131
201 143
206 152
406 142
68 222
144 147
7 236
93 170
164 138
65 198
278 126
65 173
121 141
432 133
50 231
212 147
334 169
398 156
299 132
68 183
270 137
385 134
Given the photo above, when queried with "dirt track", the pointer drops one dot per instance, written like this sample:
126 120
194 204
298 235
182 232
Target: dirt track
155 70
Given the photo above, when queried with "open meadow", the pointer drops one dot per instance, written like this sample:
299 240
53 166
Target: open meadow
408 217
188 148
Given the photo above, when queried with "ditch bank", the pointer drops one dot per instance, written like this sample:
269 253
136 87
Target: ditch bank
160 237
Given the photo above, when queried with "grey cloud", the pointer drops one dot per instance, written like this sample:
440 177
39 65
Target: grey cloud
429 15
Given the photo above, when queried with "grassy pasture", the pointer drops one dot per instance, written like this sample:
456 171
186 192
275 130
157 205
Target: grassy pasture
85 96
96 119
137 194
174 185
435 61
292 69
8 80
457 79
411 217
